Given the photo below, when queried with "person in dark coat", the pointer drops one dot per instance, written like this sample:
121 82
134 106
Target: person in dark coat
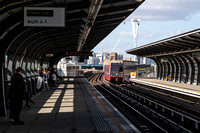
16 94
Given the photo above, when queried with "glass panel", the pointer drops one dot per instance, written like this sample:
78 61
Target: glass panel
116 69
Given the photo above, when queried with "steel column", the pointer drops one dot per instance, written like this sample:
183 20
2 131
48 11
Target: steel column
192 68
185 74
198 73
172 68
158 67
178 69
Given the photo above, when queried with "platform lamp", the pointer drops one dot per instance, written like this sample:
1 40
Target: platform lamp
135 25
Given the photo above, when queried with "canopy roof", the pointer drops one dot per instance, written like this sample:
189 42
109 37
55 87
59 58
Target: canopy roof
180 44
87 23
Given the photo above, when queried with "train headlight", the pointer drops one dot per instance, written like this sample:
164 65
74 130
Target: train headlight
117 80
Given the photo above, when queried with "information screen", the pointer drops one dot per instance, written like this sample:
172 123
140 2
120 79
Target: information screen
40 13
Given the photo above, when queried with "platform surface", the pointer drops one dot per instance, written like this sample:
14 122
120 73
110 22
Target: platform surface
67 109
175 86
60 110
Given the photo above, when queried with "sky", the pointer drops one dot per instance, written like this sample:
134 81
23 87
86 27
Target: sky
159 19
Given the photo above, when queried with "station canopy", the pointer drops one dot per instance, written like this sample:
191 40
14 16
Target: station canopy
87 22
185 43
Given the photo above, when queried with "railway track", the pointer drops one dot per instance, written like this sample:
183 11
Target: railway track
149 113
183 106
143 124
182 94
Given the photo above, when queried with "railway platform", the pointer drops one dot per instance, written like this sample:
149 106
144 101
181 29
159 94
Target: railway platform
71 107
186 90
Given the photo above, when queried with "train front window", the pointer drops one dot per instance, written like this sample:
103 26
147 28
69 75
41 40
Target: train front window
116 70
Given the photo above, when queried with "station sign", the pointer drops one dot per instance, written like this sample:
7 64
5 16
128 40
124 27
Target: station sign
78 53
141 69
196 55
44 17
81 73
49 55
68 58
133 75
164 60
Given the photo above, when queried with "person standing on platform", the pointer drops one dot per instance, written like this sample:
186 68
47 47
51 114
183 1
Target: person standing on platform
39 80
50 80
45 79
16 94
54 78
28 99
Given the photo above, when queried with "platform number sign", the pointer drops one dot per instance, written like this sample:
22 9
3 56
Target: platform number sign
196 55
78 53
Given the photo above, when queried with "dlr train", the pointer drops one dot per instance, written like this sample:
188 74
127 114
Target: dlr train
114 72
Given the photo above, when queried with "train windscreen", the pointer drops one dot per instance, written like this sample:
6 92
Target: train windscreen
117 70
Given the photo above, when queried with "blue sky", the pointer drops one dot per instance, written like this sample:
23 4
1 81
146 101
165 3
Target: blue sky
160 19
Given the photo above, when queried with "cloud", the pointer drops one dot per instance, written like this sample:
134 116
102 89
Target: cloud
176 32
146 35
162 10
126 34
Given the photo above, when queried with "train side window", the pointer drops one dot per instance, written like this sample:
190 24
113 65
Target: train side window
106 68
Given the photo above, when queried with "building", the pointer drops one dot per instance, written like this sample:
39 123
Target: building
93 60
113 56
97 58
120 57
102 56
128 59
145 61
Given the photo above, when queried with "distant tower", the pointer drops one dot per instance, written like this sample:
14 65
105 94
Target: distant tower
135 25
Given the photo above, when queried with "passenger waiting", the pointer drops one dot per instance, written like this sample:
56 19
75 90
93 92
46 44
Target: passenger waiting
28 99
50 80
54 78
39 80
16 94
45 79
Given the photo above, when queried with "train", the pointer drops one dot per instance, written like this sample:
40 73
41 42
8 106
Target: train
114 72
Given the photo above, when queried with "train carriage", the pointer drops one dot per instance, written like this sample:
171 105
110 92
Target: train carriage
114 72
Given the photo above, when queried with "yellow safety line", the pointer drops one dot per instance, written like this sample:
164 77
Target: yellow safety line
108 112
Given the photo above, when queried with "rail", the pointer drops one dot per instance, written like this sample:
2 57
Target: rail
159 114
